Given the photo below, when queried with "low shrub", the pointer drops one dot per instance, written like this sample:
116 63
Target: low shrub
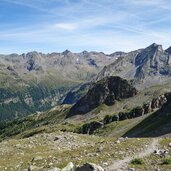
137 161
167 161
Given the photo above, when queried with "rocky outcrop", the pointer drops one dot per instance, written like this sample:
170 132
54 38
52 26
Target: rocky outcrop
148 107
158 121
89 128
106 91
166 108
70 167
89 167
163 102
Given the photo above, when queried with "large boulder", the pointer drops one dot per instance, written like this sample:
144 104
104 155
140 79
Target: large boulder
89 167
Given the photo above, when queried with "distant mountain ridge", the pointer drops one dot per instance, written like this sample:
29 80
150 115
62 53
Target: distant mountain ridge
35 81
148 66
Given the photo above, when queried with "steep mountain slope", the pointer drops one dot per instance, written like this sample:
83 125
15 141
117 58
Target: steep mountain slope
106 91
146 67
157 124
35 81
76 93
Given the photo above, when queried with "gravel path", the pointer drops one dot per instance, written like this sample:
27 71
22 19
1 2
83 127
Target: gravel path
121 165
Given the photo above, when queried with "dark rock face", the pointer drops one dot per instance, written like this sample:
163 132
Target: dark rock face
89 167
107 91
167 105
168 50
156 103
74 95
163 103
108 119
89 128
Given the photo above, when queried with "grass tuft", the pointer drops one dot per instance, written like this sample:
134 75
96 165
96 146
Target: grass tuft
167 161
137 161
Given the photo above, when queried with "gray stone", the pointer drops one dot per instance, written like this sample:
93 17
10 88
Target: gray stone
89 167
70 167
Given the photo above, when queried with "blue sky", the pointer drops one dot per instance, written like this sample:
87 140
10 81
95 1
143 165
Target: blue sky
77 25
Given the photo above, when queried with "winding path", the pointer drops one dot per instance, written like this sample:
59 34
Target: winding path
121 165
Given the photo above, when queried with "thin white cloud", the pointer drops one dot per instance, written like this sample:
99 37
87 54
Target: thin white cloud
87 25
164 4
66 26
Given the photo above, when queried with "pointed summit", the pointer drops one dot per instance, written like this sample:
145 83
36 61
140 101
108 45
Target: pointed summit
148 53
66 52
154 45
84 52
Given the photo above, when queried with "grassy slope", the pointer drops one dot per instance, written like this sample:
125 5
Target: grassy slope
33 128
43 89
54 119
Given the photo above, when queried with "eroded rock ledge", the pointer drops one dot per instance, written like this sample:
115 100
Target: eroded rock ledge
155 104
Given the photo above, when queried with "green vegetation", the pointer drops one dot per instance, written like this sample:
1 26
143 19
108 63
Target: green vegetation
167 161
137 161
148 128
35 123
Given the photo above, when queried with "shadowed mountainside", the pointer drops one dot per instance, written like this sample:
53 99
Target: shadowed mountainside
157 124
106 91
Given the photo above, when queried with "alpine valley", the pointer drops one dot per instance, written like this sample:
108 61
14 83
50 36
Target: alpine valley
86 111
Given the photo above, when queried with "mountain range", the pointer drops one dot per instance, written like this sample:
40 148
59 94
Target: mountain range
149 66
35 82
120 102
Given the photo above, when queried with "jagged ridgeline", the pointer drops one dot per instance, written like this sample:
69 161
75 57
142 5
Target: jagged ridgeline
146 67
35 81
107 91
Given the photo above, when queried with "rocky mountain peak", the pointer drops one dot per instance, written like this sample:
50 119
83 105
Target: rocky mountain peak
146 65
150 53
107 91
66 52
152 61
84 52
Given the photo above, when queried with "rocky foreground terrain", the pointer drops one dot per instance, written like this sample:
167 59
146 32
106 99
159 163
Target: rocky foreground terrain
70 151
